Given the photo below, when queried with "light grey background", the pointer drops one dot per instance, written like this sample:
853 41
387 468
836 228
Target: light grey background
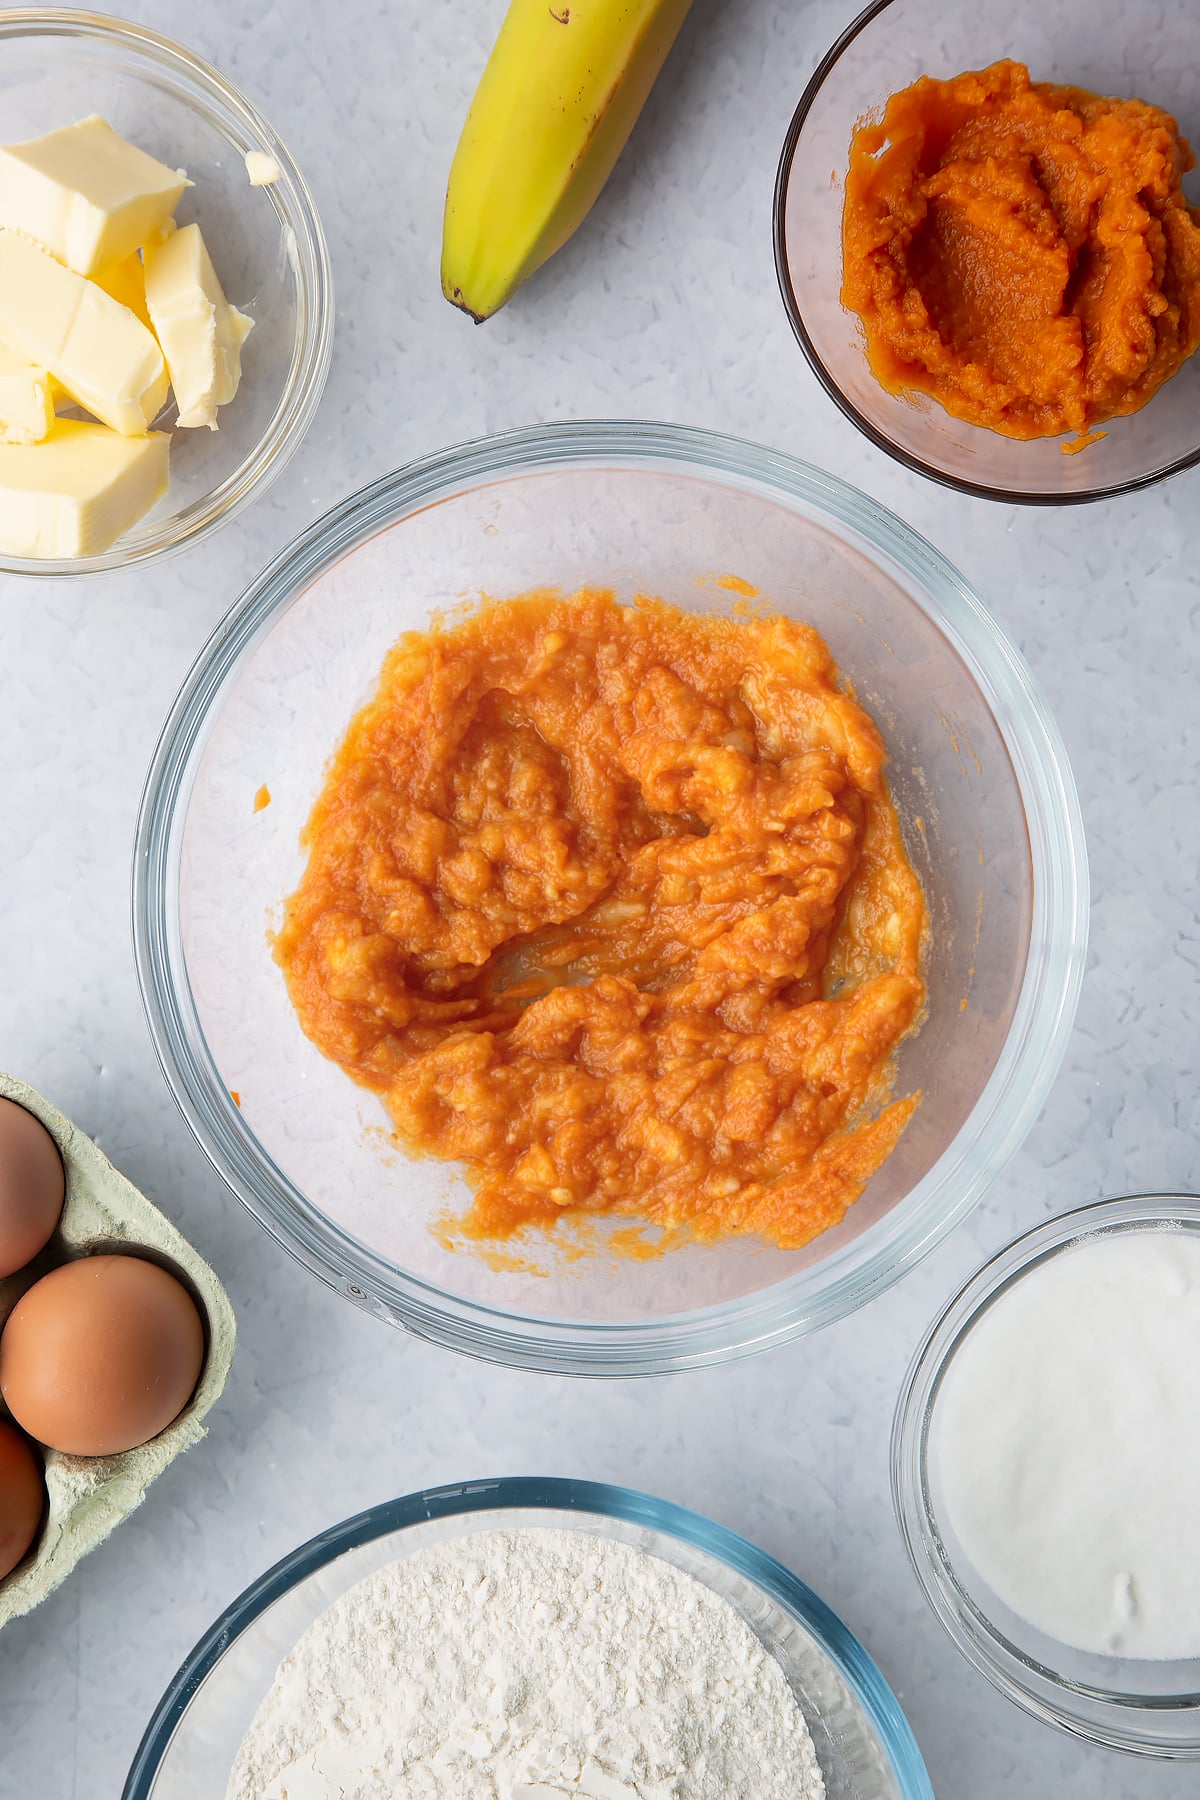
664 305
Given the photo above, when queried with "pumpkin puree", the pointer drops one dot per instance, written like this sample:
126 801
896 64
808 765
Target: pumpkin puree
1022 252
610 903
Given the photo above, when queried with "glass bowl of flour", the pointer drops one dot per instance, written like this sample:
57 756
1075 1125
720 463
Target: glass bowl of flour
1046 1472
536 1640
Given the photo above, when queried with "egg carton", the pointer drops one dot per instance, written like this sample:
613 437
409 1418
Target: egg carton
88 1496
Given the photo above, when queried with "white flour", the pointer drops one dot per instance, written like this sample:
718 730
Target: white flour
529 1665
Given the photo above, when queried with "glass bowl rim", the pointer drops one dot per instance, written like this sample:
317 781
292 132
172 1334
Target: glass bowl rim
977 490
312 346
949 1594
1009 1102
590 1499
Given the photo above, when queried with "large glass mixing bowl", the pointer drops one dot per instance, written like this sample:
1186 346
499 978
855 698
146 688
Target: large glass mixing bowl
977 771
862 1739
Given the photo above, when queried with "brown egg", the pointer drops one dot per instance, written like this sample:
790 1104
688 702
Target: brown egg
22 1497
32 1187
101 1355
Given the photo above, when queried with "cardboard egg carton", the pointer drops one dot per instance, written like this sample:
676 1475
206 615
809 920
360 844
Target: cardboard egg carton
90 1495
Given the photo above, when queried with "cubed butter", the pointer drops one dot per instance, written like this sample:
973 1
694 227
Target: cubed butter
105 357
87 194
26 402
78 490
125 282
262 169
200 333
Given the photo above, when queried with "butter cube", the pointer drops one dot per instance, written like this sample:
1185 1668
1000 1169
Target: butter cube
78 490
26 402
262 169
104 357
200 333
125 282
86 193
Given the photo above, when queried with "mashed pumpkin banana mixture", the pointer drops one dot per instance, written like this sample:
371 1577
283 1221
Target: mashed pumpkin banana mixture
1022 252
610 904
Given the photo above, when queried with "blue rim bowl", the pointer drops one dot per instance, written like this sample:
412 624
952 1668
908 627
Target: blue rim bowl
655 1525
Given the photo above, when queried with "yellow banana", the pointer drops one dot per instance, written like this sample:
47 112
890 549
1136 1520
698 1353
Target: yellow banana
562 90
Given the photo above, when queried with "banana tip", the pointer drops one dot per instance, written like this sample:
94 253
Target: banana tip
456 297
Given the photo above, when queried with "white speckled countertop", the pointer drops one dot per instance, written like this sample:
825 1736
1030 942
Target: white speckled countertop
665 305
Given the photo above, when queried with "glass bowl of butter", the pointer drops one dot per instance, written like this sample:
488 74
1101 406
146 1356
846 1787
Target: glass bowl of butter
166 304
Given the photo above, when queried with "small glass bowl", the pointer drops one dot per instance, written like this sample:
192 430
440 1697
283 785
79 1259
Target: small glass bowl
862 1739
976 768
1148 1708
266 243
1105 46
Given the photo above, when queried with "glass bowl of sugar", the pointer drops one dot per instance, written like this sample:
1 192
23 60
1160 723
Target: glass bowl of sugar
1046 1472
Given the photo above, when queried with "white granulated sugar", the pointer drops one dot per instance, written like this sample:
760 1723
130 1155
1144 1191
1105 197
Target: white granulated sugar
529 1665
1065 1443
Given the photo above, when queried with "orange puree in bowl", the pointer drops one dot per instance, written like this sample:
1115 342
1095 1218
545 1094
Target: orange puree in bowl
610 904
1022 252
